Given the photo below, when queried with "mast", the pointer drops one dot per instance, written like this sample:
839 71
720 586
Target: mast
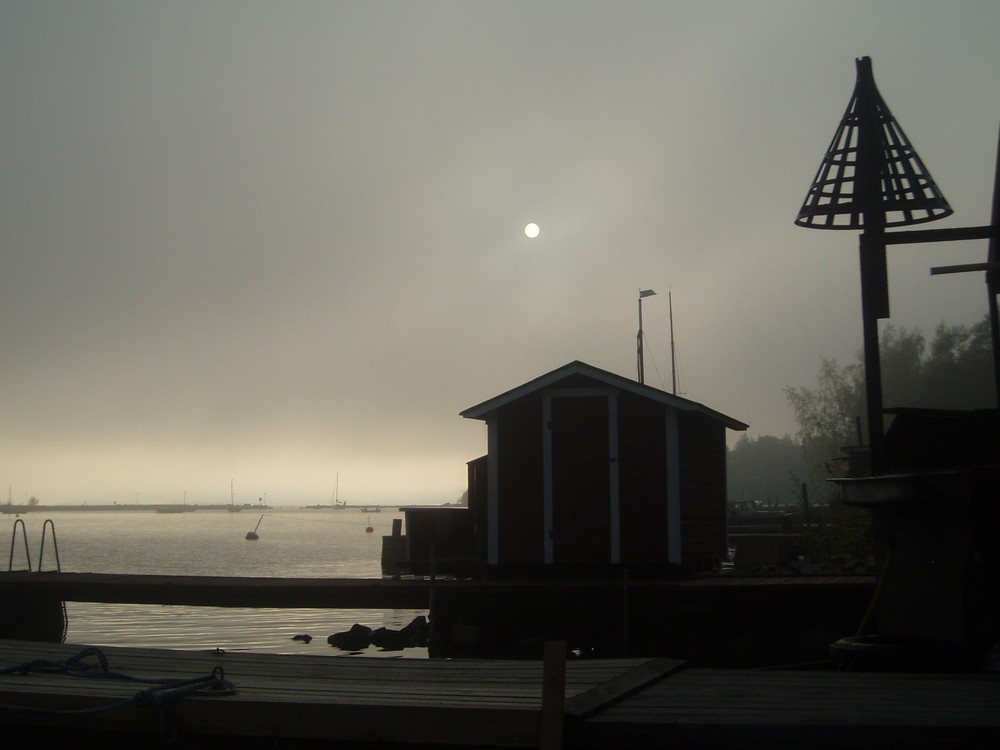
641 372
673 356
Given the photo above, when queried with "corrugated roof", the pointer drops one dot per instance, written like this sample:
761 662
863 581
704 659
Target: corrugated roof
481 411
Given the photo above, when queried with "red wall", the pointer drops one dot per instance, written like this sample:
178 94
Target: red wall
642 470
520 487
703 490
581 501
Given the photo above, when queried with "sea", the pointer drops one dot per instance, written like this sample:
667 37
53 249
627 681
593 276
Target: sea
292 543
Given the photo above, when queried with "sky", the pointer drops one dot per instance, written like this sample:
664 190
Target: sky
280 244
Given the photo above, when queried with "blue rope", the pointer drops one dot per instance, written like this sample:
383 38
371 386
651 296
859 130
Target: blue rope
158 695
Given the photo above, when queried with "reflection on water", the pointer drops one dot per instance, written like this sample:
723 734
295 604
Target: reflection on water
291 544
229 628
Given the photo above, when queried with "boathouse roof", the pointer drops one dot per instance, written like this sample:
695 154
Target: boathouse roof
597 376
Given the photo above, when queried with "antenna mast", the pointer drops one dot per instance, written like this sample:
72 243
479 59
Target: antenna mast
673 356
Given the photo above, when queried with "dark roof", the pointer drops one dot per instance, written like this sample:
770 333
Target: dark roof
481 411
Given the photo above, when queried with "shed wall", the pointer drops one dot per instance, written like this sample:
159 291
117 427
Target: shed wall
584 508
519 483
703 490
478 497
581 509
642 450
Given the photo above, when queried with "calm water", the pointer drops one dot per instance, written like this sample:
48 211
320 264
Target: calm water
293 543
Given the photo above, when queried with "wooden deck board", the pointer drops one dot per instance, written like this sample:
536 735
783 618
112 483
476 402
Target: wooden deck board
633 703
474 702
744 708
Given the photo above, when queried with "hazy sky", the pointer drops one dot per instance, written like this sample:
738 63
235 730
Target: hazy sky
277 241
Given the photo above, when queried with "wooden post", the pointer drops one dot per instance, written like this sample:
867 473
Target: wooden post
993 278
626 606
550 736
874 272
431 604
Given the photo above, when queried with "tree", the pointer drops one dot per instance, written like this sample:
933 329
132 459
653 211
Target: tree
958 373
828 418
766 469
955 372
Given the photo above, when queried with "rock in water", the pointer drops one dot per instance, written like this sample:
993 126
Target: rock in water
415 634
388 640
359 637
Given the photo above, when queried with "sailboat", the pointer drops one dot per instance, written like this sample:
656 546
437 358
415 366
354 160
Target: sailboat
233 507
182 508
335 502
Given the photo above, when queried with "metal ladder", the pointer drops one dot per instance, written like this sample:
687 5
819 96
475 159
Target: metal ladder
48 614
41 550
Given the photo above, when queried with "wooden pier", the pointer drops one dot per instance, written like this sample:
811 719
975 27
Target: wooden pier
716 621
744 709
465 702
379 593
219 591
386 703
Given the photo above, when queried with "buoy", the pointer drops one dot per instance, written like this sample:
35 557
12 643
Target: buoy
368 528
252 535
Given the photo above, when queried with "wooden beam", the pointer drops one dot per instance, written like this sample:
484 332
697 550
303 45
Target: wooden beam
915 236
965 268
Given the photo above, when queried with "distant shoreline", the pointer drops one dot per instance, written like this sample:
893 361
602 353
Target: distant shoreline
12 509
169 507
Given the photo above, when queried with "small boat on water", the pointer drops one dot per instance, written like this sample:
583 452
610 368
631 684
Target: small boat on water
371 509
182 508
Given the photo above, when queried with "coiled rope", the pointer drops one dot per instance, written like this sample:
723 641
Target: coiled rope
92 663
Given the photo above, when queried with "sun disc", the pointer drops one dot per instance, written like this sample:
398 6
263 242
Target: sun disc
532 230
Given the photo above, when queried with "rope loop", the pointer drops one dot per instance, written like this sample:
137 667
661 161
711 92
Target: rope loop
158 695
76 663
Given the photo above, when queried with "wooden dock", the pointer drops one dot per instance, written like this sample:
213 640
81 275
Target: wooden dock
475 702
377 593
744 709
710 621
622 704
218 591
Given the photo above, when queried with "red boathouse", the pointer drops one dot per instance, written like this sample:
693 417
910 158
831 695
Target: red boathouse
586 469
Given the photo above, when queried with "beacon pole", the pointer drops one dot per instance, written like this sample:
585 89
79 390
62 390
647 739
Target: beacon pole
641 373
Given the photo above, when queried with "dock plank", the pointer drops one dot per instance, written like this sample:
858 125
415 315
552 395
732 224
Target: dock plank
348 593
775 708
625 704
477 702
